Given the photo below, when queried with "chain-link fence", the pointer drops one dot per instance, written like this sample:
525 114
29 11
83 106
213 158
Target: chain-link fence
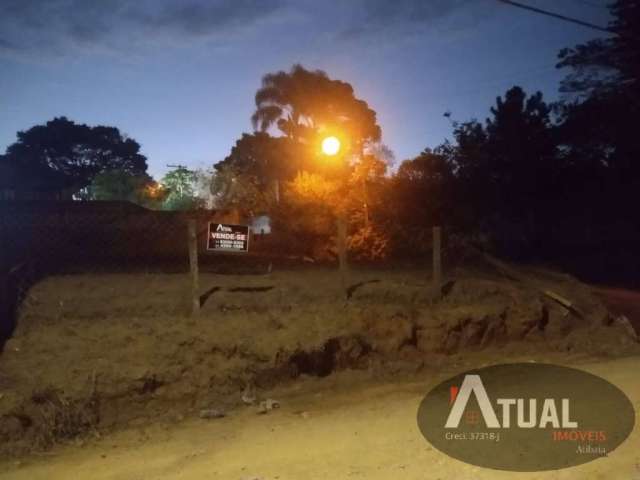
43 239
93 236
40 239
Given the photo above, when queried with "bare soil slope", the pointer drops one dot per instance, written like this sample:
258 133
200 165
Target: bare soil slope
96 352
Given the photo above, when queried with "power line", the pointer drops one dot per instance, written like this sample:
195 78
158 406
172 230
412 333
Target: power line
556 15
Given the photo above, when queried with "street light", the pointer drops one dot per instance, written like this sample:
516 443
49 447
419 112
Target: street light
330 146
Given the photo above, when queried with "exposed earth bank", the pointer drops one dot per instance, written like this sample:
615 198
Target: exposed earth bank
94 354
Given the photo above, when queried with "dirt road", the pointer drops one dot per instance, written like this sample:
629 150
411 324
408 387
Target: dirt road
341 427
622 302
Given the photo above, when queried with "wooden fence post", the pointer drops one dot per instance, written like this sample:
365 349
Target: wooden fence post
437 261
193 264
342 249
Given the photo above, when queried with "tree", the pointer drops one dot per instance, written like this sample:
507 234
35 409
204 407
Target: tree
598 148
607 64
76 152
503 176
475 196
267 160
416 197
116 185
203 179
521 152
250 178
180 184
261 155
234 189
366 177
19 181
311 202
121 186
598 130
508 166
305 217
303 102
261 169
423 189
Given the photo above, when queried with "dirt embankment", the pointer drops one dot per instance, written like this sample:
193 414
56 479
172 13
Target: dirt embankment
92 353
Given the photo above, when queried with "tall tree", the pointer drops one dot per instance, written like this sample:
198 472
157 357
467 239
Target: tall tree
607 64
118 185
76 152
256 168
507 170
599 131
521 150
263 156
235 189
180 184
423 189
301 102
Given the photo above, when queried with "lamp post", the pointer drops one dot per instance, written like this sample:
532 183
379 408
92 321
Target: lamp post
331 146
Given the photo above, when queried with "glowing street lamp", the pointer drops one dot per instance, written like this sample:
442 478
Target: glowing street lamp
330 146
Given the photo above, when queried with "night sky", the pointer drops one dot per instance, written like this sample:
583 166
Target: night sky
179 76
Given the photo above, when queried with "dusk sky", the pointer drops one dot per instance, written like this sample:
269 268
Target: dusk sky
180 76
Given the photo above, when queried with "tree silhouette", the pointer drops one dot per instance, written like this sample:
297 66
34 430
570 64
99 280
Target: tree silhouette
265 157
76 153
424 188
301 102
607 64
252 175
240 190
521 148
598 130
508 168
121 186
500 178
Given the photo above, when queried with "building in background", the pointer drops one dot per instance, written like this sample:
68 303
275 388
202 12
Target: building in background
261 225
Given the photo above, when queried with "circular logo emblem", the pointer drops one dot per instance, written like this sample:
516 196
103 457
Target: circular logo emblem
526 417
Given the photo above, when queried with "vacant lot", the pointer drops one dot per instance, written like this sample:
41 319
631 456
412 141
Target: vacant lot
118 357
